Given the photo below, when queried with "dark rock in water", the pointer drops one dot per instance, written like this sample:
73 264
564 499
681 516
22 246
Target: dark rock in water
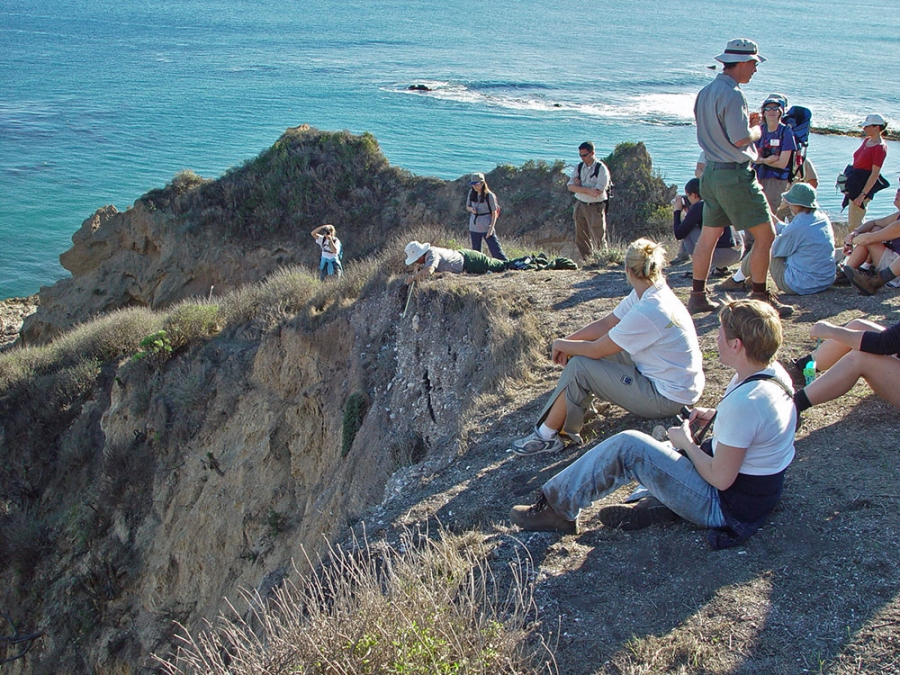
557 105
418 87
713 67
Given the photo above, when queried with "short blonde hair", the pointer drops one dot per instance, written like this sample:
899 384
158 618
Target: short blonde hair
757 325
646 259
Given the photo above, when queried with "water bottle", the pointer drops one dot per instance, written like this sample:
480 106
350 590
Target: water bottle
809 372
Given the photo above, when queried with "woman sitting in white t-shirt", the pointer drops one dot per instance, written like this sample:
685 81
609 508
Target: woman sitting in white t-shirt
643 356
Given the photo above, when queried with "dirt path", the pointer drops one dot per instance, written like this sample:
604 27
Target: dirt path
816 590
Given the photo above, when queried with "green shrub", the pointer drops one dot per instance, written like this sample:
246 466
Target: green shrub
155 348
190 321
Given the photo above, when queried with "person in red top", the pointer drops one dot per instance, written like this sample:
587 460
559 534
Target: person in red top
868 158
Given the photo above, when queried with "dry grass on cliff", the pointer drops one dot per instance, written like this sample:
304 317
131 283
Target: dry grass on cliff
429 605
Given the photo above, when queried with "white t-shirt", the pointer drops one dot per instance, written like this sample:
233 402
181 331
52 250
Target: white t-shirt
658 333
758 416
329 255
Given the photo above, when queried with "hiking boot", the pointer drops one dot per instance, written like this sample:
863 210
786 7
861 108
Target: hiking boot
628 517
865 284
840 279
533 444
733 286
540 517
768 296
701 302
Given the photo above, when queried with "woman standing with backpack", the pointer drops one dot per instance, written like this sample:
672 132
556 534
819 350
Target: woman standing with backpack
776 147
483 213
866 169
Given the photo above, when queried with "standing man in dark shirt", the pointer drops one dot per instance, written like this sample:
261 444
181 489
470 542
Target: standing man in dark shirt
732 195
590 184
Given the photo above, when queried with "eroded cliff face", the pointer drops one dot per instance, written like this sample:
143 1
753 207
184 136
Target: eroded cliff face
146 258
181 482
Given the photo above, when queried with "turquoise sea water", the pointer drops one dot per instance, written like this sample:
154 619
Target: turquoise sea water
102 101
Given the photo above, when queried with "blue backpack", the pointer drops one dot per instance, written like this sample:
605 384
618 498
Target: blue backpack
798 119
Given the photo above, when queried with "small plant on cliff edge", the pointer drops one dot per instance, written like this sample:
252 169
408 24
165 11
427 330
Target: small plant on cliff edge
156 347
354 412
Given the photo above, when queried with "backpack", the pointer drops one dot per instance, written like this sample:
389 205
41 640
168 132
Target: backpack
798 119
609 188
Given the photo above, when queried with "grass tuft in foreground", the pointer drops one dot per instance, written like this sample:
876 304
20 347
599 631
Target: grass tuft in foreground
426 606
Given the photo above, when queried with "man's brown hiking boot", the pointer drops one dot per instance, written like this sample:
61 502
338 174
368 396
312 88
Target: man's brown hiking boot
701 302
769 297
865 284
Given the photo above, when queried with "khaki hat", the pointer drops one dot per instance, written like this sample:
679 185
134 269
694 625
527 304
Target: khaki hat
415 250
475 178
740 50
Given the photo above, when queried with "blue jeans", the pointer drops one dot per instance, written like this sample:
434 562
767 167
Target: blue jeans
632 455
329 268
492 242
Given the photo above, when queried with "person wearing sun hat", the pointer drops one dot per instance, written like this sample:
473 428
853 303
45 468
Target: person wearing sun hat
775 146
727 132
430 259
803 250
862 181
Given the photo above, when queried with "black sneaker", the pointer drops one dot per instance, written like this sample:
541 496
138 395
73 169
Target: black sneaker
540 517
646 512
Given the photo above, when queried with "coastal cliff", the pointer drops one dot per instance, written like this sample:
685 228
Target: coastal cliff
196 415
198 237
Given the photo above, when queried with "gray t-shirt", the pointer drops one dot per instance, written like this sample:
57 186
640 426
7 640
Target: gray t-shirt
444 260
481 221
722 119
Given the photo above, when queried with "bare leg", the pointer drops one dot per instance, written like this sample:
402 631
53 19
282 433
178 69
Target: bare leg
857 257
764 235
703 252
830 351
556 416
881 372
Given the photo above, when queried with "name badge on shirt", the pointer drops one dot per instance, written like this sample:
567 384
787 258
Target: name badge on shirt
775 142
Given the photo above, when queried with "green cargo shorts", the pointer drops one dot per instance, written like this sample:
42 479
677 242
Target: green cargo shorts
733 196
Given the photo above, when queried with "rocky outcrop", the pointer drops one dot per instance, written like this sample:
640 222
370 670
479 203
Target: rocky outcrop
196 237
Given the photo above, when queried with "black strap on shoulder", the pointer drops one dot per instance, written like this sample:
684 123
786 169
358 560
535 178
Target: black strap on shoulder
594 173
753 378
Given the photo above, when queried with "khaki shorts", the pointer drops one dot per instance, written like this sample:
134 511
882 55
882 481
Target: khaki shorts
733 196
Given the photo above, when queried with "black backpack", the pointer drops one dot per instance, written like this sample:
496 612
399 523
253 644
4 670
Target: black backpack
609 188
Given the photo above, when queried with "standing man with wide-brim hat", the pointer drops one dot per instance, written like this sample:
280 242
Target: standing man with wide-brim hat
732 195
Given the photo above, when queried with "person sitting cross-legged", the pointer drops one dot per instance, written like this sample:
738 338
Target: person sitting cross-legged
859 349
643 356
803 251
729 485
878 242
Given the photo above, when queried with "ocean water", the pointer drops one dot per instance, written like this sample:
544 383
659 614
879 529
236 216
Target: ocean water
101 101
